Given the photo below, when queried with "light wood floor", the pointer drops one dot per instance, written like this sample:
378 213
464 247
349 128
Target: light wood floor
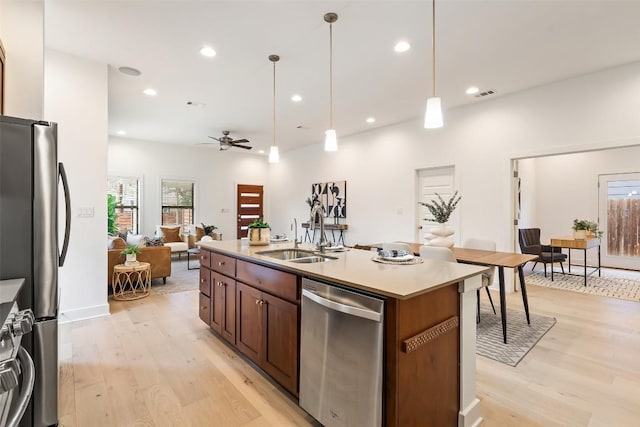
154 363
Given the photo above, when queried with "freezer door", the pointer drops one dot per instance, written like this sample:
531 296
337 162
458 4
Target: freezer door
45 359
45 221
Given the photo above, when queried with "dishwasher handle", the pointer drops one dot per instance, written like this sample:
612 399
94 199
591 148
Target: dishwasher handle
343 308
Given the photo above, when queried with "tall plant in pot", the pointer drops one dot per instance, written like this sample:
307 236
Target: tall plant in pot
441 212
259 232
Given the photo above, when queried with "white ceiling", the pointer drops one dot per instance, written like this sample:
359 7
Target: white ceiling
506 46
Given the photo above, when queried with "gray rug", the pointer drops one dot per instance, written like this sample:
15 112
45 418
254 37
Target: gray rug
521 337
181 279
613 283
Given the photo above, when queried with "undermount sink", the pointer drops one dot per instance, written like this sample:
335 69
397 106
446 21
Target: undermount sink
296 255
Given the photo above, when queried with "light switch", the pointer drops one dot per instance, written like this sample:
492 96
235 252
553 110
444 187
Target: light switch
86 212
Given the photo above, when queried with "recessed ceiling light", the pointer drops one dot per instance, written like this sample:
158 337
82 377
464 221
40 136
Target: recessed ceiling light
150 92
296 98
371 119
472 90
207 51
121 133
261 152
402 46
129 71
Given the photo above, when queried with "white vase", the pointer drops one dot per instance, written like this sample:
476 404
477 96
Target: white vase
131 259
259 236
440 236
580 234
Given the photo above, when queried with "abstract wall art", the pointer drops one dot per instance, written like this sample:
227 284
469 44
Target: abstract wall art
333 196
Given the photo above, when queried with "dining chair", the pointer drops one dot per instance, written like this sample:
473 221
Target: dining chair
529 239
396 247
437 253
487 278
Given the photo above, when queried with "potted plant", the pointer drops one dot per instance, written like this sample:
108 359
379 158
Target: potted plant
208 229
259 232
584 228
112 216
440 213
130 252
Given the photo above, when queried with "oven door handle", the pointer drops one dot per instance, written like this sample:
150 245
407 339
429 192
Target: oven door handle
28 379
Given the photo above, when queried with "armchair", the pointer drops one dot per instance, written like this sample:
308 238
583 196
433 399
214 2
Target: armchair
529 239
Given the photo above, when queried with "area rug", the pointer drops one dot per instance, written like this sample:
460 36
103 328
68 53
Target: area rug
613 283
181 279
521 337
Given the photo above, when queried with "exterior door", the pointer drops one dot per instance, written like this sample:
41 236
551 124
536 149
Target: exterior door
250 207
619 219
429 182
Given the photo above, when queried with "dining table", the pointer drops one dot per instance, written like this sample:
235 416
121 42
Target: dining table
501 260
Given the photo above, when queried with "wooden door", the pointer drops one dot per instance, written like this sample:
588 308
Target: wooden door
250 206
280 319
2 61
228 327
249 322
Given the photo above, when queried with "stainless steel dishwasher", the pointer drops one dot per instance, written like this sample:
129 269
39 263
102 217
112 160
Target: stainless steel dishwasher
341 355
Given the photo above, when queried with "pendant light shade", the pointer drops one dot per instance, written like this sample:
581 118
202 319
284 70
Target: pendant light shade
274 154
433 113
330 137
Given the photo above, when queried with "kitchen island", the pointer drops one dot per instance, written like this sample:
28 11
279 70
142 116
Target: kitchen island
253 302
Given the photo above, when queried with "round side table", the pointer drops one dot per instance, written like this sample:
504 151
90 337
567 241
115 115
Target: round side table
131 282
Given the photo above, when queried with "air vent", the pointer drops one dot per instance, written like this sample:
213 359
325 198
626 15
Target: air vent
485 93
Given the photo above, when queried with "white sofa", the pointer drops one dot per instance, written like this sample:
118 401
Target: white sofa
176 247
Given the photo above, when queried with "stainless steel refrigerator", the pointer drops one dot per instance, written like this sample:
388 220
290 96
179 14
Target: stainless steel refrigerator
30 176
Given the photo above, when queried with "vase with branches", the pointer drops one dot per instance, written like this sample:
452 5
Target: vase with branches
441 211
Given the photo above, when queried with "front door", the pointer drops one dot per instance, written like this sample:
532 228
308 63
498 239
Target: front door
619 206
250 206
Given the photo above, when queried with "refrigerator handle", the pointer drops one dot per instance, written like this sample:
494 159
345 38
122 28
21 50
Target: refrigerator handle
67 204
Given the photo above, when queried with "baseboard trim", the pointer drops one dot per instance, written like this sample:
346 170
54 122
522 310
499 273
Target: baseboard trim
84 313
470 416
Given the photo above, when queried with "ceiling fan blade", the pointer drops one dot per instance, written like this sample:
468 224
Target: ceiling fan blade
213 137
241 146
240 141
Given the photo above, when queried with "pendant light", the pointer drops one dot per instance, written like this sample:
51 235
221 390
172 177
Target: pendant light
433 114
330 138
274 155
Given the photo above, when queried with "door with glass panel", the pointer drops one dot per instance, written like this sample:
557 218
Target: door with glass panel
250 207
619 219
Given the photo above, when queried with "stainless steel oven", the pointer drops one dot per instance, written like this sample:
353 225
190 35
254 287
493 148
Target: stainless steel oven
17 372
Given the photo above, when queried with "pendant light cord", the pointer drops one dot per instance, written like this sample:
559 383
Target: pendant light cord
433 48
330 76
274 105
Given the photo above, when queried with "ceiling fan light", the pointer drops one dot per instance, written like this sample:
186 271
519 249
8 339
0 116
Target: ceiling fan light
274 155
433 113
330 140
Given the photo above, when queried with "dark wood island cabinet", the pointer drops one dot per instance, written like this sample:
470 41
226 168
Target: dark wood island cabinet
429 330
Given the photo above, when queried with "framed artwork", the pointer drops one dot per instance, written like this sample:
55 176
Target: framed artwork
333 196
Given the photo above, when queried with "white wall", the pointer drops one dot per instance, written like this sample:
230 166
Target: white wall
215 172
76 98
22 34
593 111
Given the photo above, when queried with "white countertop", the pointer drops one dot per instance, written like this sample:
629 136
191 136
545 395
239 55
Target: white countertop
354 268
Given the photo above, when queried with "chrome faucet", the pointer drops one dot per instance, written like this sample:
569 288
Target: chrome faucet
318 208
295 228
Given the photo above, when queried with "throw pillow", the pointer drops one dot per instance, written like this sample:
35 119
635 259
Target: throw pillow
171 234
116 243
156 241
137 239
123 234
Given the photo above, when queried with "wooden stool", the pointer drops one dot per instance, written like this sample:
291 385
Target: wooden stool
131 282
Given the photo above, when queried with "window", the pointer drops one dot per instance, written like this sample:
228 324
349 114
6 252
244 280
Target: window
127 193
177 202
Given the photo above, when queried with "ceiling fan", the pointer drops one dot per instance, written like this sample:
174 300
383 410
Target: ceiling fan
226 141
